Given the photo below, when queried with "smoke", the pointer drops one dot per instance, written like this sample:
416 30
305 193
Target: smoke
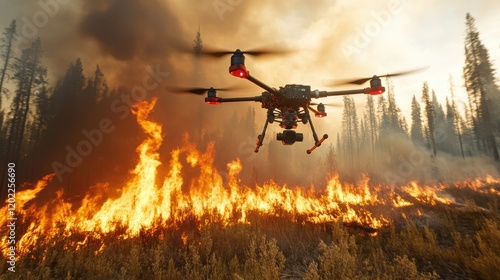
130 29
125 37
397 161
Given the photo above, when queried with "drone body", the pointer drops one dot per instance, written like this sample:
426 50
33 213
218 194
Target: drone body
287 105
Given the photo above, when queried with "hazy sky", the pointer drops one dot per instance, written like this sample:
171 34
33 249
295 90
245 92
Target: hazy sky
334 39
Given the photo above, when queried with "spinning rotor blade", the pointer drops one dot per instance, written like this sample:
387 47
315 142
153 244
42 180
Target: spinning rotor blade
254 52
197 90
267 51
364 80
216 52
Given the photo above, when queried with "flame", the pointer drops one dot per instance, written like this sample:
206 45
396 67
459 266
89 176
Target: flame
426 194
146 200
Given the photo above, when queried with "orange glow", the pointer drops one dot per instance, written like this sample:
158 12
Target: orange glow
147 200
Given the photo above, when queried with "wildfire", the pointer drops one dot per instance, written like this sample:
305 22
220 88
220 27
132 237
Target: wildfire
146 201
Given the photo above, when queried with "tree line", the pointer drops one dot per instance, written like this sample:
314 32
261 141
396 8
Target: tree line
441 129
37 114
41 118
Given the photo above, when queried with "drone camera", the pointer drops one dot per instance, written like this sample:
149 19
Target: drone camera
289 137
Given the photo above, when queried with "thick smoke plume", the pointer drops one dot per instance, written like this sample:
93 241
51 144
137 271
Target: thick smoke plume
124 37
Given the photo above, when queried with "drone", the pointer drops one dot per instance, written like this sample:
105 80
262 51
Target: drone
288 105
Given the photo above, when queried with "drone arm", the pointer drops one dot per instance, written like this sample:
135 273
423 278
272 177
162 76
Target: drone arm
375 90
241 99
218 100
264 86
319 94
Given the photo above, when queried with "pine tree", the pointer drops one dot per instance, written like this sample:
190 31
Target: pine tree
383 116
468 127
416 123
350 133
66 97
6 52
393 112
99 86
331 162
339 146
451 129
429 113
198 43
363 138
372 123
42 117
29 75
457 119
439 124
482 91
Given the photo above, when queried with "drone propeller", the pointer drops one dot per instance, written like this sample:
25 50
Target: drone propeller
216 52
364 80
197 90
254 52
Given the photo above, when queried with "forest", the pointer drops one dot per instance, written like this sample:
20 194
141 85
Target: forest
42 123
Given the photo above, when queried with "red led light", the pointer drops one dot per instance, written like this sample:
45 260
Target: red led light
213 100
320 115
238 70
376 90
239 73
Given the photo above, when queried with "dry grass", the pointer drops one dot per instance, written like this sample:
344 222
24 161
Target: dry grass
447 242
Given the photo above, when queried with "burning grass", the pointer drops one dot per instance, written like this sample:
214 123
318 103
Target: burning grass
204 227
446 243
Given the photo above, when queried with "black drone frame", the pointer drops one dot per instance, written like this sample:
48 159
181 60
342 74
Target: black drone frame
294 97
